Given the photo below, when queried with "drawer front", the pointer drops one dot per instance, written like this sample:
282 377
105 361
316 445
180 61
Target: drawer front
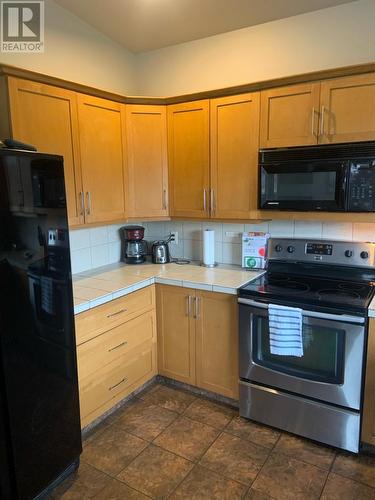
92 323
113 344
107 383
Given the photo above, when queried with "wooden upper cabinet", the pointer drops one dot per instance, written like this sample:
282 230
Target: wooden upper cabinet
176 333
290 116
348 109
146 130
234 156
102 147
46 117
188 152
217 343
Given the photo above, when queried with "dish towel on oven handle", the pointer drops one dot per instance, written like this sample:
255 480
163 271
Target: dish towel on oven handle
285 330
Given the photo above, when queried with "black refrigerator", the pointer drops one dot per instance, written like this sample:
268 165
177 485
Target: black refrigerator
40 435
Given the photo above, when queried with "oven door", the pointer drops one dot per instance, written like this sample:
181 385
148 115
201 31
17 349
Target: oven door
304 186
330 369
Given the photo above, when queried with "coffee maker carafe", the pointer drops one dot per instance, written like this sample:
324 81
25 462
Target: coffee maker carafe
134 247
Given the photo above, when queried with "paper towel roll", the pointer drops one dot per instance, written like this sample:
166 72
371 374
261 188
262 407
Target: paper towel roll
209 247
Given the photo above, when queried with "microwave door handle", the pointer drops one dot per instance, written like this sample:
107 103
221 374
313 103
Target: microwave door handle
344 191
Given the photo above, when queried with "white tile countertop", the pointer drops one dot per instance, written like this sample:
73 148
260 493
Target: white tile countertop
93 288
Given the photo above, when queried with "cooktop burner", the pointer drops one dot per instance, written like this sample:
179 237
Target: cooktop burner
299 285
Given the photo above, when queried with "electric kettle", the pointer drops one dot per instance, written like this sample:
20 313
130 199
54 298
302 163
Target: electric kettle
160 252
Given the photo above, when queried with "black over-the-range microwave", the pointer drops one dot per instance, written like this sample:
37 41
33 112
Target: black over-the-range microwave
333 178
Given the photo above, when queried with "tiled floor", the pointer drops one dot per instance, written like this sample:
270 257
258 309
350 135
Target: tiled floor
168 443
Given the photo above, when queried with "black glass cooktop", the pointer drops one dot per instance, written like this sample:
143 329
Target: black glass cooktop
334 288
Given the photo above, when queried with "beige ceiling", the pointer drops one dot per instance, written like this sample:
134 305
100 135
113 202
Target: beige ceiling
143 25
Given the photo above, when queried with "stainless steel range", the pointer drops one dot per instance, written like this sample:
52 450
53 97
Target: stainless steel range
317 395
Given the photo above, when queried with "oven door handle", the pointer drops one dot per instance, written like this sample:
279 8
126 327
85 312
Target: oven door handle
310 314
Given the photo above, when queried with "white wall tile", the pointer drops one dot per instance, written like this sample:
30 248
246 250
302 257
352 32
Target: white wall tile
114 252
99 256
177 251
192 231
114 232
363 231
232 232
262 227
337 231
218 251
281 228
98 235
192 250
81 260
173 227
156 230
232 253
79 238
307 229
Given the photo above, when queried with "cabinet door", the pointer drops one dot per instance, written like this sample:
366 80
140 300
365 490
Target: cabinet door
102 146
368 421
176 333
289 116
146 130
348 109
234 156
188 149
217 343
46 117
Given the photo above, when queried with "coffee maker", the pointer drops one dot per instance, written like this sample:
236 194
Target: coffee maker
134 246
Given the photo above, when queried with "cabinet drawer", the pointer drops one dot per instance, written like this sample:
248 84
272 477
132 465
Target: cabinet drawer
91 323
113 344
115 378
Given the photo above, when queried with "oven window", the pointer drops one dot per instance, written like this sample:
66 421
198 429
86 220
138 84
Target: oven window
302 186
323 348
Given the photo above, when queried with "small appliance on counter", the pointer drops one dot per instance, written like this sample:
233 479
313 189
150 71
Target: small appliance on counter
134 247
160 252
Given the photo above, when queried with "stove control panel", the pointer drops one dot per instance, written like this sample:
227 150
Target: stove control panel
319 248
346 253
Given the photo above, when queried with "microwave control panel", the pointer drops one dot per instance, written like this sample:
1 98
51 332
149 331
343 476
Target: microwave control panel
362 186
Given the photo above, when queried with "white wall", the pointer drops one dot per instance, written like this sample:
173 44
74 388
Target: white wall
324 39
75 51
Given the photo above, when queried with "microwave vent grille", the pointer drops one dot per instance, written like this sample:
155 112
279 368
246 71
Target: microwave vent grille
323 152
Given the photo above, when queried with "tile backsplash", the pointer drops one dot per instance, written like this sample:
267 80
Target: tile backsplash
95 247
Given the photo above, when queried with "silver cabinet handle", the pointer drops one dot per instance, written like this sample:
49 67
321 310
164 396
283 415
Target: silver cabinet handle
119 383
197 312
88 210
204 200
313 122
322 120
164 199
116 313
212 201
117 346
82 202
188 305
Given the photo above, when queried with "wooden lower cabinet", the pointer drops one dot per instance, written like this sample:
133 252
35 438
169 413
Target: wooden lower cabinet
120 358
217 343
176 331
368 420
197 338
